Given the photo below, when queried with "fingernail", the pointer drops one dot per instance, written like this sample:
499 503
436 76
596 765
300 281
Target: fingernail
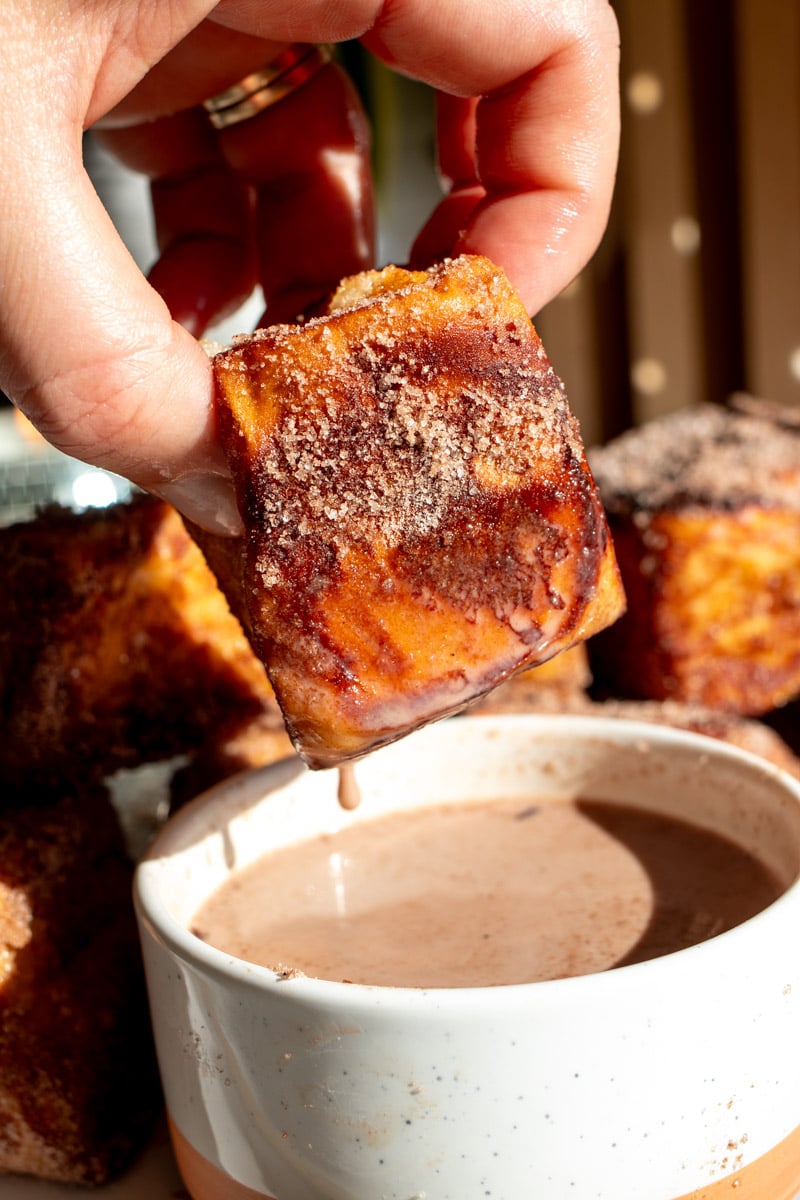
207 500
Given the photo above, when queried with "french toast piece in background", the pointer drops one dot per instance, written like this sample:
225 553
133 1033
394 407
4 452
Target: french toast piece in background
420 519
78 1085
704 509
116 646
556 684
117 650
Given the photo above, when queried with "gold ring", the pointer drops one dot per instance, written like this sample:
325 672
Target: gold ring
293 67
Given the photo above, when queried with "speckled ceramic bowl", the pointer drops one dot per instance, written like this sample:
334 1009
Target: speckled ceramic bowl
677 1077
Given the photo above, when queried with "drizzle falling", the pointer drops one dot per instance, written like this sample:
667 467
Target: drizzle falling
349 792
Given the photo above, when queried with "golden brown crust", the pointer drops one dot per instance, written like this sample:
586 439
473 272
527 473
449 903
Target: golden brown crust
559 681
704 508
78 1083
116 646
420 518
116 649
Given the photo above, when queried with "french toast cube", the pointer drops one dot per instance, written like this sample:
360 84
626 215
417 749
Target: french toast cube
555 684
420 518
117 647
79 1091
704 508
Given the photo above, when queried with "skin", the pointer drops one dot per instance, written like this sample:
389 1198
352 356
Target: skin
106 363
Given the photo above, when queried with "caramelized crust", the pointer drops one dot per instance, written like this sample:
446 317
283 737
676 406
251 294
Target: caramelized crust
704 506
116 645
420 518
559 681
116 648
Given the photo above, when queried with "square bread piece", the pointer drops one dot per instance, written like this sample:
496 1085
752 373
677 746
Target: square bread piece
420 519
79 1090
704 507
117 647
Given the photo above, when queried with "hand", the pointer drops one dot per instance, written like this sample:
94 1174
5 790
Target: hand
104 362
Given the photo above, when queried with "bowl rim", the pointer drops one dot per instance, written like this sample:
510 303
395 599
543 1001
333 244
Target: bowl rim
155 917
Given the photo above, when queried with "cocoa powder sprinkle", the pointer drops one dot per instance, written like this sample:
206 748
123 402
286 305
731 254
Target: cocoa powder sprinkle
706 455
382 447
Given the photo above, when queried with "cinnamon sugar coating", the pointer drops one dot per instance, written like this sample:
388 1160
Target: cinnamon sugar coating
709 455
79 1091
116 646
420 518
704 507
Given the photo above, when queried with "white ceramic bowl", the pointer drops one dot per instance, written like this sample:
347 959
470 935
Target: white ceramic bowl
677 1077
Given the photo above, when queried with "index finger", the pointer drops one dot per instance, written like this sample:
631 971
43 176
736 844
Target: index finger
546 126
307 160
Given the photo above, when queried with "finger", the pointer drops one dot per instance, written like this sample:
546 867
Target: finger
206 60
444 229
307 159
202 212
456 119
546 125
89 351
455 145
548 168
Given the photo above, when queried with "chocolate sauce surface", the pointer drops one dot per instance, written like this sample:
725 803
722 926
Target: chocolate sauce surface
486 893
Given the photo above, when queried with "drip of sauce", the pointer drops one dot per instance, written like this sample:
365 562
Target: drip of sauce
349 792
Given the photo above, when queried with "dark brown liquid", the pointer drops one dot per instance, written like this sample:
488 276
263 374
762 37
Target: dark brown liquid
486 893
